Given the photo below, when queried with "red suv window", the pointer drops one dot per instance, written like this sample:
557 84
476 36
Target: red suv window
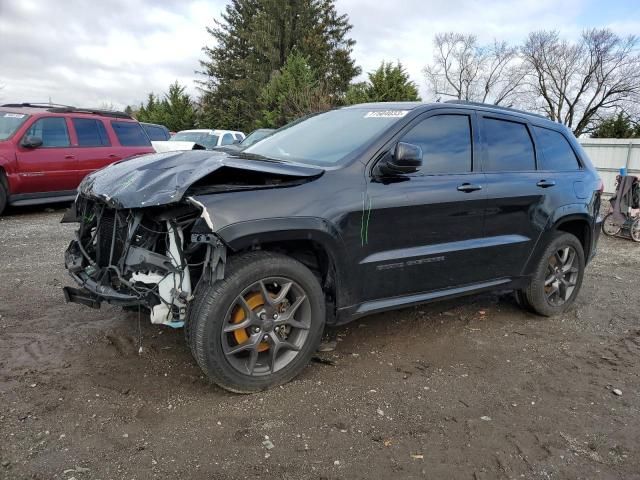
52 130
91 133
130 134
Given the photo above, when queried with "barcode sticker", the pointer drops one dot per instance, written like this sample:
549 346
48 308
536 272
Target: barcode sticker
386 114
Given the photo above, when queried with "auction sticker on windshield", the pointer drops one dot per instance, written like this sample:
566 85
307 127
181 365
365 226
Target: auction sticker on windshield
386 114
13 115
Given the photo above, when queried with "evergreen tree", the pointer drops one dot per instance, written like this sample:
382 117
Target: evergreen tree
255 38
388 83
293 92
619 126
175 111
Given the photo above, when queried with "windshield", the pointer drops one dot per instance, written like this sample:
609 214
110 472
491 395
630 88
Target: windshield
9 123
256 136
327 138
206 139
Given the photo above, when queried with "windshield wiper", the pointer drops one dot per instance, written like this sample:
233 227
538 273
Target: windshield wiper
256 156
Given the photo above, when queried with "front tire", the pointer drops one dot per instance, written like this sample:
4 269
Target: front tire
259 326
558 276
3 196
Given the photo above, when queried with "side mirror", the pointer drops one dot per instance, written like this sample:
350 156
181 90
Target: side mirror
407 158
31 142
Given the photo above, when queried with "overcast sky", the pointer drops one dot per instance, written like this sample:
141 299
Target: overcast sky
95 52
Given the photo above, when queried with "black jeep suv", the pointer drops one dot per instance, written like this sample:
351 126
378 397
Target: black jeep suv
353 211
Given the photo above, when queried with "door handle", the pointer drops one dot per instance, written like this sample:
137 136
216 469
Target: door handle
113 155
468 187
546 183
69 157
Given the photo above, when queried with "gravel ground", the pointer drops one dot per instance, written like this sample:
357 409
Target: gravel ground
471 389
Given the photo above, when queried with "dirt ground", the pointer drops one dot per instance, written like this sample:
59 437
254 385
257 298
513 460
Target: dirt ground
470 389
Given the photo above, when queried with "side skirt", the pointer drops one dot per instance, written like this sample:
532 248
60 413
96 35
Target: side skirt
24 199
348 314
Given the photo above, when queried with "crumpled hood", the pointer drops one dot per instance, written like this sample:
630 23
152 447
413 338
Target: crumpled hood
163 178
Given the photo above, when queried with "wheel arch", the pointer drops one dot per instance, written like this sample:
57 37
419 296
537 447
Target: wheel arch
579 226
573 219
314 242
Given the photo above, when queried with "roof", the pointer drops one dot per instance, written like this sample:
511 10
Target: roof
210 130
462 103
389 105
35 108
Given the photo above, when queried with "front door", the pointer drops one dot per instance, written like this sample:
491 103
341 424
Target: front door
52 167
422 232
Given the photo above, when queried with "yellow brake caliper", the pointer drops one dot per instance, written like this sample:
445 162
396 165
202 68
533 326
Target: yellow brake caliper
254 300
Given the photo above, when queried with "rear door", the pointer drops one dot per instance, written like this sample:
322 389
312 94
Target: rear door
51 167
93 147
516 212
422 231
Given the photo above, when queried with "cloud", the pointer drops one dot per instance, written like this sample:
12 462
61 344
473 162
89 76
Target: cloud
90 53
404 30
116 51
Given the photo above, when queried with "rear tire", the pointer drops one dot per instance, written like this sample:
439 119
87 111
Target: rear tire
558 276
259 326
521 300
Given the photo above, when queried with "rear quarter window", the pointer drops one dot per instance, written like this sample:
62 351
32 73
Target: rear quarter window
557 153
130 134
156 133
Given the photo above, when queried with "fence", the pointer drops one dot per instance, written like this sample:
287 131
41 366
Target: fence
609 155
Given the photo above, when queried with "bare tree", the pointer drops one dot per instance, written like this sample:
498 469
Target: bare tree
464 70
578 83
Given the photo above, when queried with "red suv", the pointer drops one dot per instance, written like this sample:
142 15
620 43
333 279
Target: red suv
45 150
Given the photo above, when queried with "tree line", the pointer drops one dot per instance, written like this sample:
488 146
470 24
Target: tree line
273 61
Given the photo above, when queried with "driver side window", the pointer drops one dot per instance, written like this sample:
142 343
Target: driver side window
446 144
227 139
52 131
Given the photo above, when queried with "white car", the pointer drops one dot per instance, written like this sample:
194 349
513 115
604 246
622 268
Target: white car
208 138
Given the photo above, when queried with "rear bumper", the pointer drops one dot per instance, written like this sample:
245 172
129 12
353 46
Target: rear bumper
595 235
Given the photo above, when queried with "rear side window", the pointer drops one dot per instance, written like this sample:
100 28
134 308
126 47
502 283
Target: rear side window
446 143
227 139
156 133
52 131
557 154
130 134
91 133
509 146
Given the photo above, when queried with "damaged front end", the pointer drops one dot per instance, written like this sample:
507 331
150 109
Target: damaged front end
150 258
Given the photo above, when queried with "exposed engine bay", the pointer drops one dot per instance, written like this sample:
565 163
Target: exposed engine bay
149 258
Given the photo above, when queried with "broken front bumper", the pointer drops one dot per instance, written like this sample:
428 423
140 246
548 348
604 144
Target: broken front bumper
92 293
145 258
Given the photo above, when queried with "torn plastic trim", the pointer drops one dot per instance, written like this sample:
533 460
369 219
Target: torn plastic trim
204 212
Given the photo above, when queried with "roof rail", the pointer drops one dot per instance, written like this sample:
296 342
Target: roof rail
495 107
105 113
57 108
35 105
